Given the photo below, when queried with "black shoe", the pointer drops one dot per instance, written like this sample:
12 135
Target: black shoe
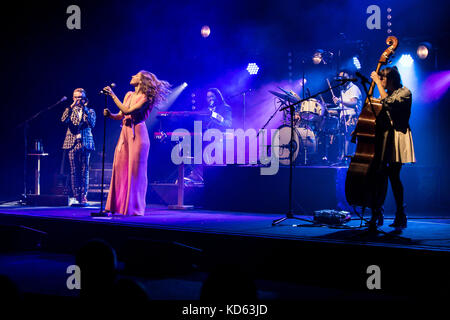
400 222
377 218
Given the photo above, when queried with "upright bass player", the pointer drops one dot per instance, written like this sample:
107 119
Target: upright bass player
394 140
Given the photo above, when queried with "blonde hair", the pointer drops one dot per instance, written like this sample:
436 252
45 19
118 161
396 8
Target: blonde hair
80 90
154 89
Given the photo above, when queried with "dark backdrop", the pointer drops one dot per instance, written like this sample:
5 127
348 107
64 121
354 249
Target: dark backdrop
42 61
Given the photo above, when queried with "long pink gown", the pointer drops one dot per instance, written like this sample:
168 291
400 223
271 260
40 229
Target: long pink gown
128 186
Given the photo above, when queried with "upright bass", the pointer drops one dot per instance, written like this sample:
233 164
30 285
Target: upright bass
361 179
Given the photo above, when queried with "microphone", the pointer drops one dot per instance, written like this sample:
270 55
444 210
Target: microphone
62 99
363 79
112 85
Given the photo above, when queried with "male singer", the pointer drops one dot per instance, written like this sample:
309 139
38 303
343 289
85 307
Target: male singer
79 143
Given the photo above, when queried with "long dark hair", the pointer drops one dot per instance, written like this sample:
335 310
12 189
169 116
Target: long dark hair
393 79
218 94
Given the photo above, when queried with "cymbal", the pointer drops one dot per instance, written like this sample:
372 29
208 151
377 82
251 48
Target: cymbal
282 96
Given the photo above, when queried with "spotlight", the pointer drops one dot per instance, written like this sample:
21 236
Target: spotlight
423 50
356 63
252 68
184 85
322 56
406 60
317 56
205 32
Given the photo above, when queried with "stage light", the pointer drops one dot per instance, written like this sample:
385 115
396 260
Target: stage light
317 57
356 63
184 85
205 32
423 50
252 68
406 60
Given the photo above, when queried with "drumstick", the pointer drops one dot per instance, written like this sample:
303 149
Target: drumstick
332 93
329 86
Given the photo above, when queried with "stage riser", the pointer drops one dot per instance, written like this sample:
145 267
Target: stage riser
243 188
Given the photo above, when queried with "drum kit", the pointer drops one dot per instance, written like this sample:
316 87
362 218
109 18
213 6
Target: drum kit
319 131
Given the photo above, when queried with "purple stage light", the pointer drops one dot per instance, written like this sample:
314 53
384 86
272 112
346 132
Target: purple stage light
436 86
252 68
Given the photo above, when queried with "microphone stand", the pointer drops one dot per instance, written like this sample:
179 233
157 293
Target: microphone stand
102 213
25 125
243 93
290 214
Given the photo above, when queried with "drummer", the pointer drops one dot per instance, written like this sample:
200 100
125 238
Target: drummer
350 95
350 103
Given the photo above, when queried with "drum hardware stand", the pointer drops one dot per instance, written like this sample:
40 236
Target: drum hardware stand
290 214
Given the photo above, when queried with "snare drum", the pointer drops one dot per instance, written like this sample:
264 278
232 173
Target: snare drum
312 110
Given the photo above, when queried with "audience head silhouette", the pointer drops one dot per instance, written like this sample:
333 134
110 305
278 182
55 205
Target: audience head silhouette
98 263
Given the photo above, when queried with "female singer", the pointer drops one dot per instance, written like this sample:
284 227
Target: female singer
128 186
396 144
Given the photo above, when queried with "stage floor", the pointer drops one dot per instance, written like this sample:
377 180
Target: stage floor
429 231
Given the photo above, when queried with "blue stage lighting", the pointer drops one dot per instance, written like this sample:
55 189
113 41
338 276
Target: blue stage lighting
356 63
252 68
406 60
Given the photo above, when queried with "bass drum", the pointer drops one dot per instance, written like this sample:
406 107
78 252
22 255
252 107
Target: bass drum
304 144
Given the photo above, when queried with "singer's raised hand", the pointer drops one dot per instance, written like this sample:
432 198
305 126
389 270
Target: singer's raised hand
109 91
107 112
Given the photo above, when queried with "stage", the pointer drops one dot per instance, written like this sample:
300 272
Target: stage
166 244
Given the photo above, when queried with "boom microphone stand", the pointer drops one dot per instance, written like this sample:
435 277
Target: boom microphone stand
25 125
290 214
